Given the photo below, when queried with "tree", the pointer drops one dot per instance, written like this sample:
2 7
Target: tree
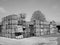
37 15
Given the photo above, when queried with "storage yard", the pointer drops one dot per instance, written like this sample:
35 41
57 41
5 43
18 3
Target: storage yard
15 26
14 30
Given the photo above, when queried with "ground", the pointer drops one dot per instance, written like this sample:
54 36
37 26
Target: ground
42 40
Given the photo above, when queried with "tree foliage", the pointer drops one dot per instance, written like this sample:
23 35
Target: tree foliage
38 16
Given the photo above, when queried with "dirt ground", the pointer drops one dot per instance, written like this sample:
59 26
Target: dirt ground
53 39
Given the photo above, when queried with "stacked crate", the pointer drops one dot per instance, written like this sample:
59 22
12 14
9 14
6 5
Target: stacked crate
19 30
53 28
46 28
0 28
13 25
37 28
42 27
4 23
27 30
9 26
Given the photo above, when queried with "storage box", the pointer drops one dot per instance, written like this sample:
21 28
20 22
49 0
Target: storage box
13 30
19 29
42 33
3 34
9 30
38 33
19 37
8 35
13 35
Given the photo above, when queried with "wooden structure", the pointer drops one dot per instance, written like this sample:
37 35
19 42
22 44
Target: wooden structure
13 26
53 28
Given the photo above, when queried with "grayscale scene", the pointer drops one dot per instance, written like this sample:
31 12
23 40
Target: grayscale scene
29 22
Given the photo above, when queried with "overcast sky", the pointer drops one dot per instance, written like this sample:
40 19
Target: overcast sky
50 8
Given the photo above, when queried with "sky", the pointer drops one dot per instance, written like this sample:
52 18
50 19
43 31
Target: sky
50 8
